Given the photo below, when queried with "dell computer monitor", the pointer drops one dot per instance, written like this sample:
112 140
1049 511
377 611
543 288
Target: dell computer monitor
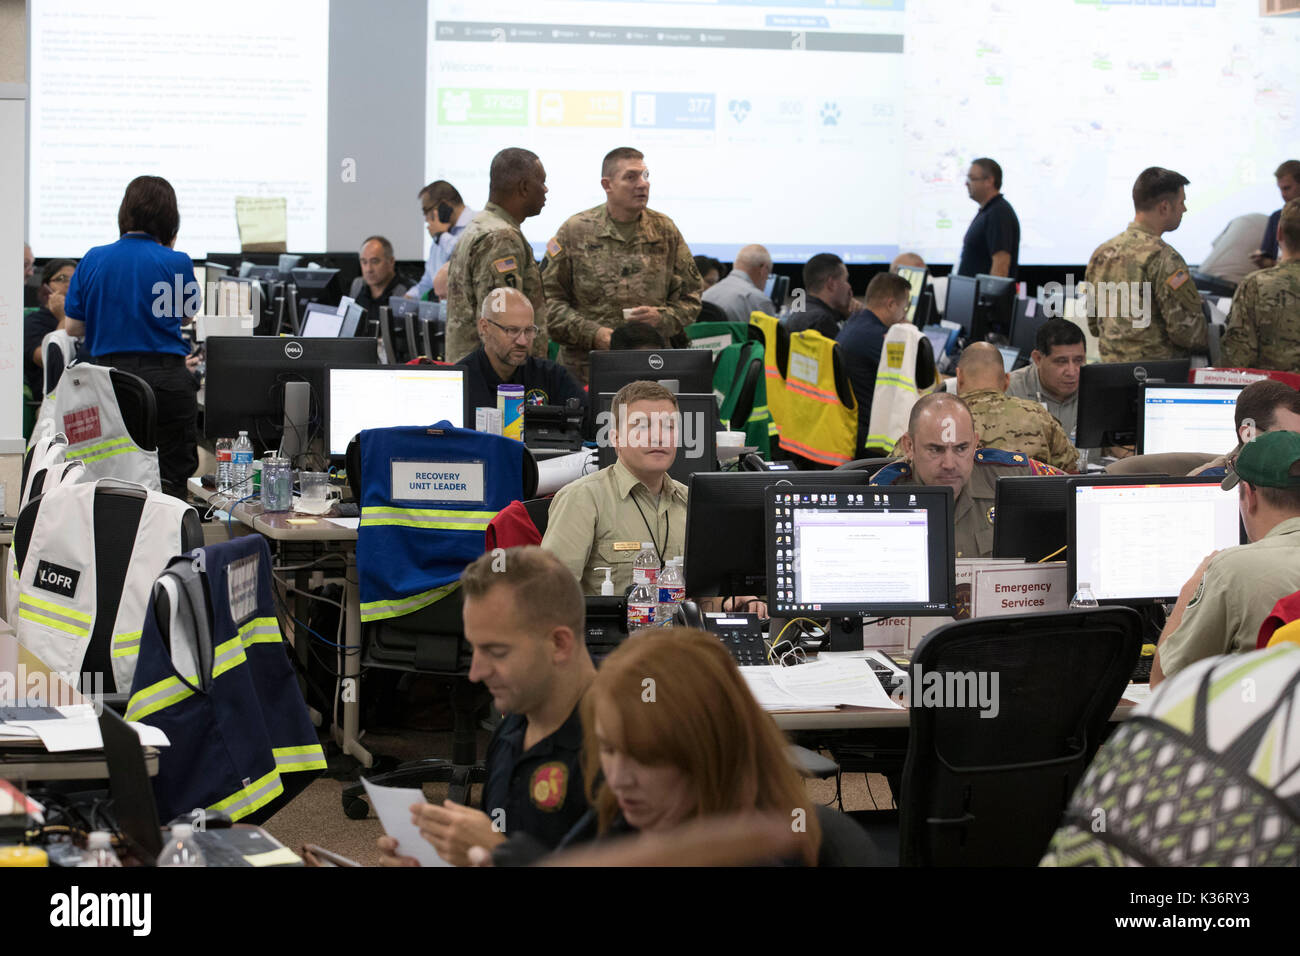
725 550
1138 542
960 307
1108 398
691 369
1187 418
697 430
915 276
995 302
388 396
844 551
246 377
1029 512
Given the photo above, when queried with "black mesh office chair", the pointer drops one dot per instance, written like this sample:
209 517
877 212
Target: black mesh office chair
117 514
752 374
58 352
429 641
990 791
712 313
139 408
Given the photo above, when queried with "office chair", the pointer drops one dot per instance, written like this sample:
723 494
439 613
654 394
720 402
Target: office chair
751 375
429 641
980 792
711 313
59 350
1165 463
139 408
872 465
117 514
539 509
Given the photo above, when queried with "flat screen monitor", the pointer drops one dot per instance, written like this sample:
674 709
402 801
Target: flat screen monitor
691 369
1183 417
1138 542
246 376
321 321
288 262
840 550
942 340
960 307
924 313
262 273
696 430
317 285
777 288
353 315
995 301
915 276
1010 356
1024 329
1029 512
389 396
1108 398
725 549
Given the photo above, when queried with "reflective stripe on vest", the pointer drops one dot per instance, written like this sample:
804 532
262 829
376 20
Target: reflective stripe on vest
52 615
429 518
227 655
260 630
252 797
126 644
818 425
106 449
156 697
398 607
292 759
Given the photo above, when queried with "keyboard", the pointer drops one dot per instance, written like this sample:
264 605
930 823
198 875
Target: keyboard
25 713
889 679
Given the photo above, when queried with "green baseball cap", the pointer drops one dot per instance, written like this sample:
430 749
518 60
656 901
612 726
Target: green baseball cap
1266 461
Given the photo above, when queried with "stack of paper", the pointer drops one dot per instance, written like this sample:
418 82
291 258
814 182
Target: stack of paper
818 685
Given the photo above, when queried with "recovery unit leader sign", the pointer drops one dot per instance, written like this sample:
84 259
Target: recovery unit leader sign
437 480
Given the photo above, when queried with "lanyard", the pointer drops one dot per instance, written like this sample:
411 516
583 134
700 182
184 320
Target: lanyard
658 551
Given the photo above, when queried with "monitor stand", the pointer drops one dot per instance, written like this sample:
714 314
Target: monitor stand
845 634
297 419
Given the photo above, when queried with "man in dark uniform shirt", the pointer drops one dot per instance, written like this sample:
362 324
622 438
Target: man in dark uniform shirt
525 619
992 243
863 338
379 280
506 331
827 296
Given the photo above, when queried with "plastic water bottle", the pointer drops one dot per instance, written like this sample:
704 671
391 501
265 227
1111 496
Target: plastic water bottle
99 850
641 606
664 612
181 849
224 446
672 583
645 569
1084 597
241 466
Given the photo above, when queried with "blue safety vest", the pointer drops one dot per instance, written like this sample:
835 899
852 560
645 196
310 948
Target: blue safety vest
222 689
427 496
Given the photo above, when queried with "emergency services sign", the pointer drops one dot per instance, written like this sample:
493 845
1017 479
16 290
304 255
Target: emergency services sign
437 481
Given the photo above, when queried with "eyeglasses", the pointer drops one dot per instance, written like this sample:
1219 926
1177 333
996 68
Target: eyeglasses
527 332
60 279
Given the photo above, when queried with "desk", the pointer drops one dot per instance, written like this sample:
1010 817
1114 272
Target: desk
291 528
27 759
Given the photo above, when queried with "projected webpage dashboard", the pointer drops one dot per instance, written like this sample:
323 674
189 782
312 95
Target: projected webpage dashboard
1141 542
386 397
844 551
1190 419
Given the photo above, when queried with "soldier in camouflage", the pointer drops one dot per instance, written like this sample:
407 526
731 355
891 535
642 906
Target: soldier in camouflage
1264 325
939 448
1005 422
617 258
492 252
1145 304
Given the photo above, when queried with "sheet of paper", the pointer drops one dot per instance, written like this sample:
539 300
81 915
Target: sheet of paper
835 682
63 735
261 219
352 524
1138 693
393 807
280 857
769 694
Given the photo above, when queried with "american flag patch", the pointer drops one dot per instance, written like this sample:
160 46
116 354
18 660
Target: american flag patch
1176 280
552 247
508 264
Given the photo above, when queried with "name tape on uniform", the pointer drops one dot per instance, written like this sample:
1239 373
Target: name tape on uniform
56 578
241 585
437 481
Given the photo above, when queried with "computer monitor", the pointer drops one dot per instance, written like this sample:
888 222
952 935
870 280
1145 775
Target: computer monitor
1029 512
1138 542
995 301
238 296
1183 417
942 340
725 549
844 551
915 276
691 369
1024 327
697 432
924 313
777 288
1108 398
246 378
960 307
353 315
317 285
388 396
288 262
1010 357
262 273
321 321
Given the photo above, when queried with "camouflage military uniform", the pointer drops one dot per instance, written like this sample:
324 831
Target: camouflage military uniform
591 275
973 508
1016 424
492 253
1264 325
1176 325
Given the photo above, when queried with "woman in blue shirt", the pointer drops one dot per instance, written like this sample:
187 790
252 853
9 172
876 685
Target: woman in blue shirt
129 299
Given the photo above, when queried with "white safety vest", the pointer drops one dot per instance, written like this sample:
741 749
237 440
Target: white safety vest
57 590
85 409
896 390
67 345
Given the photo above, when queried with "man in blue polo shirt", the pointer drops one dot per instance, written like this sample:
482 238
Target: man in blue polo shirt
992 243
128 299
506 331
863 338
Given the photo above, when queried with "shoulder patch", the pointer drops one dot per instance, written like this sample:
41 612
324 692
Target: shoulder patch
1176 280
890 474
553 247
1196 597
996 456
507 264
